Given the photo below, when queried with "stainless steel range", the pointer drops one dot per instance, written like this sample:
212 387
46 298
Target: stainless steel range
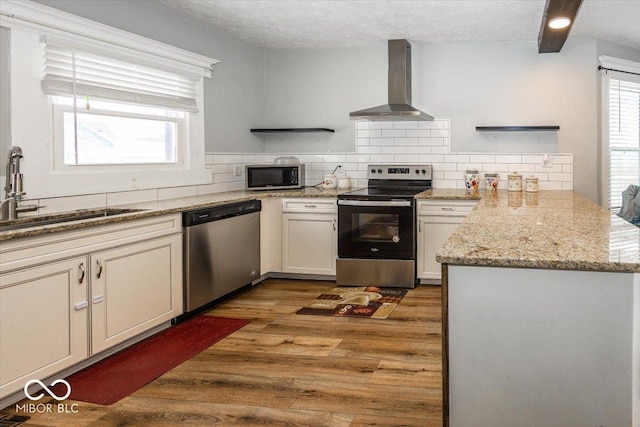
377 228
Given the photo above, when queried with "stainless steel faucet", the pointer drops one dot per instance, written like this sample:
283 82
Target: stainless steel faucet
13 191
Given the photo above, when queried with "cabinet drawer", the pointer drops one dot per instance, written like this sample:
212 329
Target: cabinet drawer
446 207
315 205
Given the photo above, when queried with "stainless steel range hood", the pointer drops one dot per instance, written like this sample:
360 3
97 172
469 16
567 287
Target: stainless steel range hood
399 106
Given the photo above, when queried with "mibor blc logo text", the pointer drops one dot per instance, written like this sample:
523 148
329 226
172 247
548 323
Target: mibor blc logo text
40 408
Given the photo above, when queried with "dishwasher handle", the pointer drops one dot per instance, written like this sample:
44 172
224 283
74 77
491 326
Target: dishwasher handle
217 213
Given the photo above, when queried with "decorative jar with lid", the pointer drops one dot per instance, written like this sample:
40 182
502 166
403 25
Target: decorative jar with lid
515 181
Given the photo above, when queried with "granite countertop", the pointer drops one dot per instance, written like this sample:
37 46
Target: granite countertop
149 209
549 229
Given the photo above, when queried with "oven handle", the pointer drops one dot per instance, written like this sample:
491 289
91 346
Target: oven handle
374 203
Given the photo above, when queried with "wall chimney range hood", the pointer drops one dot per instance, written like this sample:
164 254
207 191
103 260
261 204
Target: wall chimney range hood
399 106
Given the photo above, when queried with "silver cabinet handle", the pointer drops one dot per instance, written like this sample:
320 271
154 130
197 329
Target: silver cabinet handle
334 225
97 299
81 305
447 209
99 273
81 268
419 226
309 206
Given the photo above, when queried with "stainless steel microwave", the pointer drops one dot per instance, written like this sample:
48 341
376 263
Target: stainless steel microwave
269 177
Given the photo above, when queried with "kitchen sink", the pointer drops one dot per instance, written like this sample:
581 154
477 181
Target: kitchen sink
80 214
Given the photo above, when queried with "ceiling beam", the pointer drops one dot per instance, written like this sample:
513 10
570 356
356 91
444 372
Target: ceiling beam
552 40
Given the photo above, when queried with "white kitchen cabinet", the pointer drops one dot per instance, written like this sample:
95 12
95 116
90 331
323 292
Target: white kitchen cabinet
132 290
43 321
67 296
309 236
437 220
271 236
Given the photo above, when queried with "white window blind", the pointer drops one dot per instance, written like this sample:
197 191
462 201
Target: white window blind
69 71
624 138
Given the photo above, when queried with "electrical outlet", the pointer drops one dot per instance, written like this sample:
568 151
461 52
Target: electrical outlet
237 170
547 161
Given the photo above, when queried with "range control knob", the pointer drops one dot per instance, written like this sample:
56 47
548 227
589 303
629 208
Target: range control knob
417 171
379 170
373 171
424 172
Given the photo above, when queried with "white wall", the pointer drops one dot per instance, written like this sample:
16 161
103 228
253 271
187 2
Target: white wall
234 97
483 84
319 88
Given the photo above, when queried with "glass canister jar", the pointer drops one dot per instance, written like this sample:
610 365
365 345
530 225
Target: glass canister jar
515 181
491 180
471 179
531 184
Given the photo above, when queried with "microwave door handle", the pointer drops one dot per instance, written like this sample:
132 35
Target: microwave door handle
394 203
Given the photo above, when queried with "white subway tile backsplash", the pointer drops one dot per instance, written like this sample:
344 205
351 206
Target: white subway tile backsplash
138 196
508 158
482 158
338 158
436 124
70 203
431 141
432 158
368 133
363 141
405 141
406 158
521 167
393 133
381 158
362 124
422 133
440 133
175 192
457 158
405 125
392 149
381 125
370 150
442 150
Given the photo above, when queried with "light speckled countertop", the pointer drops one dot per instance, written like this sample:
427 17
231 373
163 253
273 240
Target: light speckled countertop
549 229
149 209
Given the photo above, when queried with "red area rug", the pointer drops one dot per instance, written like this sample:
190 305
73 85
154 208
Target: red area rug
121 374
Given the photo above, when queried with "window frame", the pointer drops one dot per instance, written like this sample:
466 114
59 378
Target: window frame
182 148
622 70
29 22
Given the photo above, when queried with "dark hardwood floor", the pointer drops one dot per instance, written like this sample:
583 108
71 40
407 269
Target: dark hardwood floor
296 370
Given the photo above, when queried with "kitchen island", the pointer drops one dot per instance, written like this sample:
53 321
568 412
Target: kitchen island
541 314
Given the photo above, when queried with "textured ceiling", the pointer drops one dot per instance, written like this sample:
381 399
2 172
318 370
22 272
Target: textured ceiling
339 23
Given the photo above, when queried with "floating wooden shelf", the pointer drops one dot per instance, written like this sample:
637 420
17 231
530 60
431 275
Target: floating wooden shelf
292 130
516 128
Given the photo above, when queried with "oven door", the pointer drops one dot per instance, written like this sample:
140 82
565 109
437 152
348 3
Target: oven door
371 229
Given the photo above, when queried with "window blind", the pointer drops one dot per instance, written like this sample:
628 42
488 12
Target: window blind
624 138
70 71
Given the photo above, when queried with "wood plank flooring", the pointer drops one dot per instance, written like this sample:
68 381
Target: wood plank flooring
295 370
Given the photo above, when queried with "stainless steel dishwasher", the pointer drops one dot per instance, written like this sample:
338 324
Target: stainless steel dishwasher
221 251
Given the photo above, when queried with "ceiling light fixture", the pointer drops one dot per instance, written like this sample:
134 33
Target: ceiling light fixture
559 23
552 35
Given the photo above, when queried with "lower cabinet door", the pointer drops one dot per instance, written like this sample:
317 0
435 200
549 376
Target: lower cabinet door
310 243
43 321
133 289
433 232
